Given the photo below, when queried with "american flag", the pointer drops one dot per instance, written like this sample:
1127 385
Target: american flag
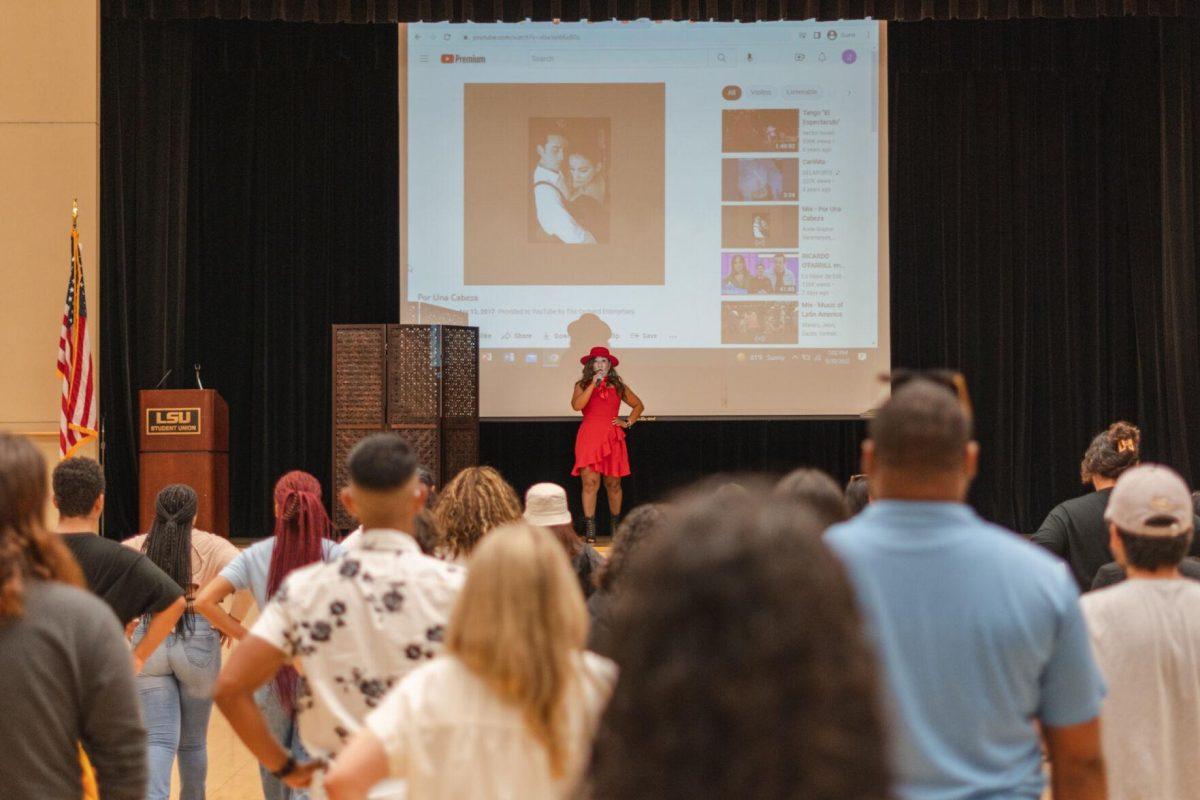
75 363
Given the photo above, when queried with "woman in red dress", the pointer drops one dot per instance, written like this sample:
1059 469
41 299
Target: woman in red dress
600 451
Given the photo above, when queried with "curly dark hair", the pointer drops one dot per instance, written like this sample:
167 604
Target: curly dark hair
1112 452
614 380
644 521
815 490
78 483
744 672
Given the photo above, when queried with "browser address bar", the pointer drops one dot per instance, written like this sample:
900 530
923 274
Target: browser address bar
617 57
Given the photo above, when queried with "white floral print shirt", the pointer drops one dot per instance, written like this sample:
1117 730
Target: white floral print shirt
357 625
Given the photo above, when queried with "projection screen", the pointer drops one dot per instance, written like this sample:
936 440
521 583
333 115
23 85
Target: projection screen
708 200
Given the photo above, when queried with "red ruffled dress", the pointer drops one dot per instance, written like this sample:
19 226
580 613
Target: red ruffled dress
599 444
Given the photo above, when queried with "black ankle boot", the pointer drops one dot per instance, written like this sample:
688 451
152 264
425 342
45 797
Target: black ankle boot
589 529
615 522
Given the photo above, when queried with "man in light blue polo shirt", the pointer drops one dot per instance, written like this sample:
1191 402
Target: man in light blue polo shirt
979 632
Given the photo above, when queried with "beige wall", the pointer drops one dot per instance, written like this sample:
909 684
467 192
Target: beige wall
49 154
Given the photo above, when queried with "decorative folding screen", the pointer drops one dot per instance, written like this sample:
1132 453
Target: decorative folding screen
421 381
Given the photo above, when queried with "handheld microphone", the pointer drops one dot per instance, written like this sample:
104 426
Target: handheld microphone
163 379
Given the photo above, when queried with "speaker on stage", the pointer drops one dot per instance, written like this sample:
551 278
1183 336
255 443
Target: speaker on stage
421 381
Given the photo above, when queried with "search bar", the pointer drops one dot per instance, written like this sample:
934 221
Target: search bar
618 57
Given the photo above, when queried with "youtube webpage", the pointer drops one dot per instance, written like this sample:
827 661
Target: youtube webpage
702 198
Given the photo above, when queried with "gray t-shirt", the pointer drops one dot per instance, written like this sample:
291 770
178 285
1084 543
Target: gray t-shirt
1146 637
67 679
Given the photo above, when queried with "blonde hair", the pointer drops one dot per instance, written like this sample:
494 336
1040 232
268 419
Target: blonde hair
475 501
518 621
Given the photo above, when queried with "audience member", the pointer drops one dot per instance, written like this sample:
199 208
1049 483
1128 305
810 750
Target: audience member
355 625
743 668
546 505
427 532
425 476
66 667
1075 529
129 582
301 537
1113 573
176 682
858 494
638 525
1146 634
475 501
815 490
512 710
979 633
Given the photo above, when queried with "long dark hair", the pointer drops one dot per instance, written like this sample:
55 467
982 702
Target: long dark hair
301 525
27 549
614 380
169 542
1112 452
744 668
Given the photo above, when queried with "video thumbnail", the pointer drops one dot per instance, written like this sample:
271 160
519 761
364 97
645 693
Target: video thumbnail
744 179
551 165
760 323
759 273
761 227
760 130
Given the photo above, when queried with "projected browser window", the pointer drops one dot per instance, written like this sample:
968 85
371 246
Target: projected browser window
706 199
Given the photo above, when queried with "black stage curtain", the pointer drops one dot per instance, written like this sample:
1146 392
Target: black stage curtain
382 11
249 175
1043 219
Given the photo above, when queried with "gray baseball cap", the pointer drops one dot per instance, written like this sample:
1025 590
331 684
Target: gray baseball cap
1150 500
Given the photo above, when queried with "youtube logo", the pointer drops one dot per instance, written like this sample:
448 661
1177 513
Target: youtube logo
456 58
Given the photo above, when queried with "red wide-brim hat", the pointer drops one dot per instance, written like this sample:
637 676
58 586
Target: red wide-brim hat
600 352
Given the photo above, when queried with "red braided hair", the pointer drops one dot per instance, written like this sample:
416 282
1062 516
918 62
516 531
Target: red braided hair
301 523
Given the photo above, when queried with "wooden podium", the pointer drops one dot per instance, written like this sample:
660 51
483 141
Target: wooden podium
185 439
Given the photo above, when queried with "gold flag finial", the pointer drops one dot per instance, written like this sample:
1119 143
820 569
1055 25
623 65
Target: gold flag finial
74 212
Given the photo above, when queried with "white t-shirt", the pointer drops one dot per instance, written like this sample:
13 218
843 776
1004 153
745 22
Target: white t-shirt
451 737
1146 637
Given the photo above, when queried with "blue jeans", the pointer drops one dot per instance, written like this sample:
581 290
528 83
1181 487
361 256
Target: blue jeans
175 692
286 732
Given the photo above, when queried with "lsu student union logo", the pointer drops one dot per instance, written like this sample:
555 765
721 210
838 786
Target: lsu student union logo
172 421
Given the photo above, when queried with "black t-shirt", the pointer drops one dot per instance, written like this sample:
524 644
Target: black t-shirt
1076 532
1114 573
130 583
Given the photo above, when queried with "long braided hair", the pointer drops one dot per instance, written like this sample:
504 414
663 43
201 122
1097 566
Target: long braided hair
301 523
27 549
169 542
